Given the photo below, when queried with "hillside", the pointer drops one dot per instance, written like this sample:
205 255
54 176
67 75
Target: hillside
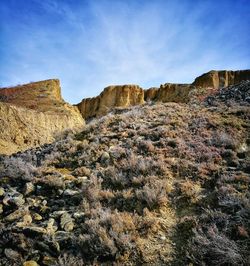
34 114
154 184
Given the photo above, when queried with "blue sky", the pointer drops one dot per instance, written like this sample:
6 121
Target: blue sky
91 44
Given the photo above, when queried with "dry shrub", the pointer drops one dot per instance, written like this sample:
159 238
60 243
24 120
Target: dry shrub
18 168
146 146
154 193
52 181
82 171
68 259
107 233
223 139
191 190
214 248
91 190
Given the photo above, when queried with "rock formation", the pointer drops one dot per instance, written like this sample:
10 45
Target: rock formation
36 95
169 93
129 95
34 114
220 79
112 96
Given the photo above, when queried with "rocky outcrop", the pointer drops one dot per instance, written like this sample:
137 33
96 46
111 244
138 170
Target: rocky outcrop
129 95
35 95
112 96
220 79
169 92
34 114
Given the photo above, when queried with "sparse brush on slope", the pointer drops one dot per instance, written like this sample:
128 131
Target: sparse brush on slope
161 184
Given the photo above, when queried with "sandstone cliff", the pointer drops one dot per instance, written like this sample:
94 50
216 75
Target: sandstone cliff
112 96
220 79
169 93
41 95
129 95
34 114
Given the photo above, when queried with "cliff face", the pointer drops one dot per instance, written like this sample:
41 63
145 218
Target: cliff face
34 114
220 79
112 96
169 92
128 95
35 95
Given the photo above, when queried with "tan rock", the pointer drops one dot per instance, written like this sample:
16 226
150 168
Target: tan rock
2 191
49 261
66 222
16 215
27 220
112 96
12 254
29 188
129 95
38 92
30 263
34 114
223 78
37 216
173 93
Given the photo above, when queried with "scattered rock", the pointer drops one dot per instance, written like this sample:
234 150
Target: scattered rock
70 192
49 261
2 191
67 222
81 179
61 236
78 215
237 93
27 219
29 188
18 200
51 226
12 254
37 216
105 157
16 215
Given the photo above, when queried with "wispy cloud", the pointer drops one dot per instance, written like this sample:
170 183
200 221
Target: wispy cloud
91 44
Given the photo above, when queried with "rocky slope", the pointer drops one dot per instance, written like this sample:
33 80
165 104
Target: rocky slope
34 114
158 184
129 95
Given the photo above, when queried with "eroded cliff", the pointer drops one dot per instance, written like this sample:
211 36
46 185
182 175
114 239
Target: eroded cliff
112 96
129 95
34 114
220 79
